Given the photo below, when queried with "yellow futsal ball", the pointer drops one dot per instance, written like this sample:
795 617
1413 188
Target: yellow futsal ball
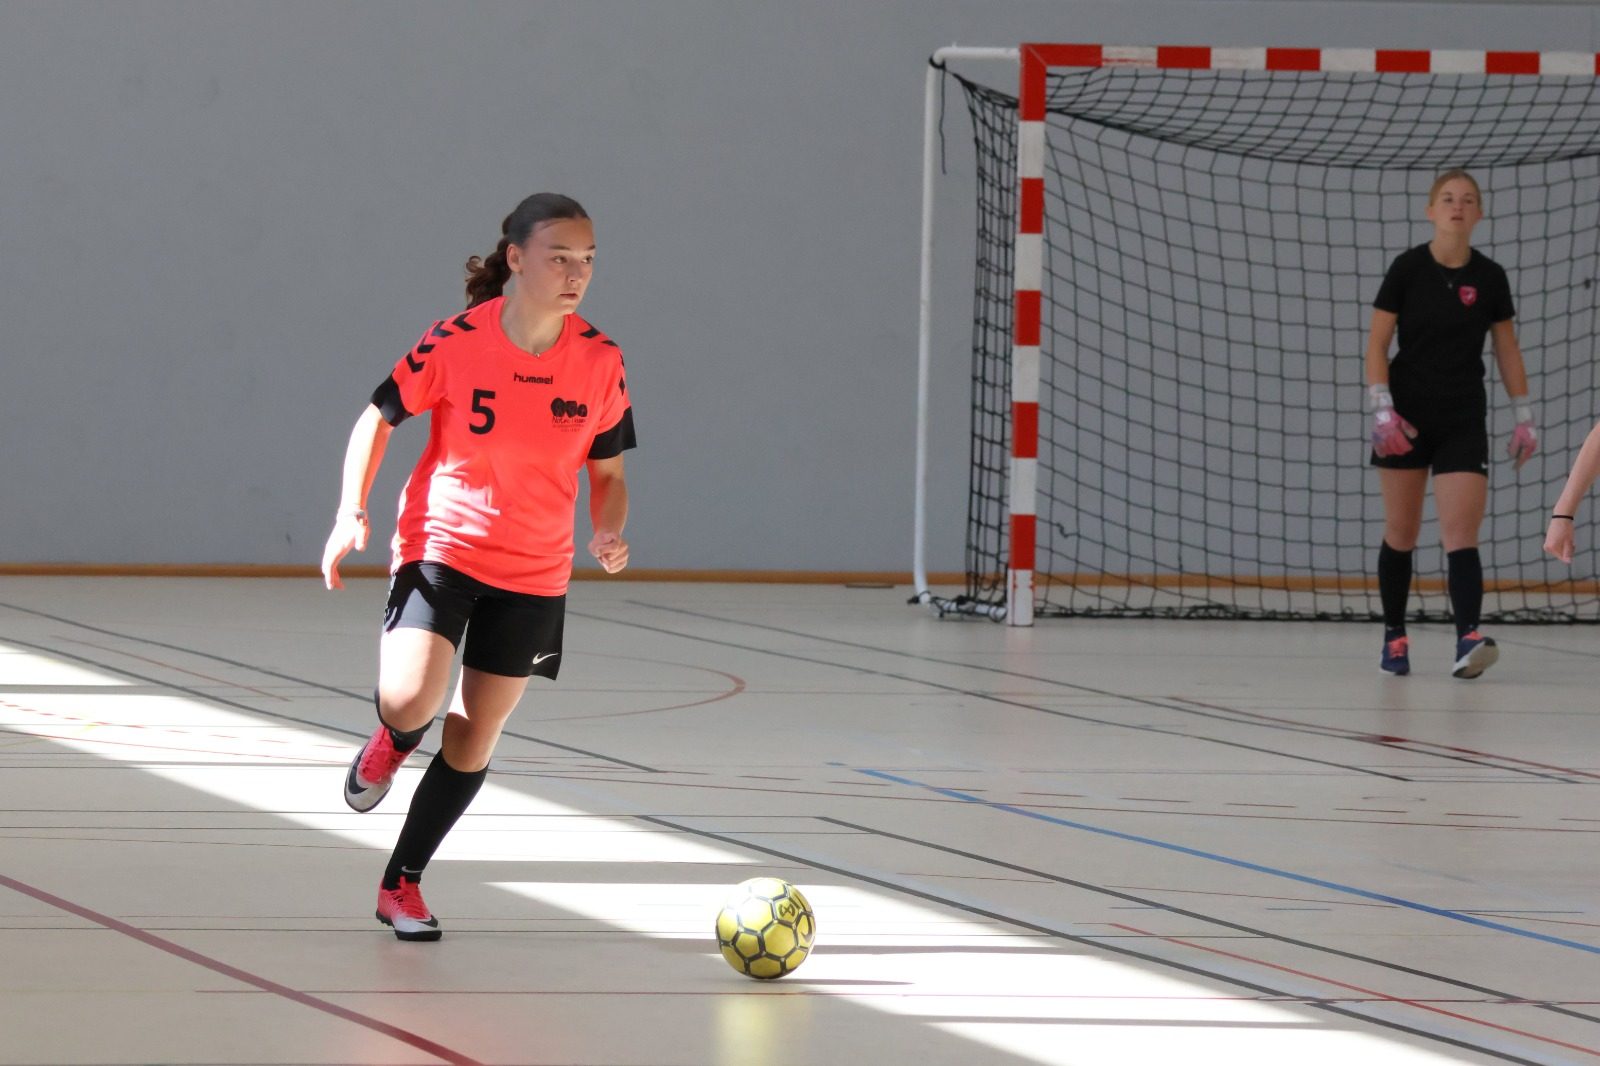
765 928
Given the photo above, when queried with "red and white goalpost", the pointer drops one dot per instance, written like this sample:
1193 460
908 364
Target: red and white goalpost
1036 62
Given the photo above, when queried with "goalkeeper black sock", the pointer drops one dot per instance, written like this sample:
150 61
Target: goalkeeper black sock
1466 589
1394 589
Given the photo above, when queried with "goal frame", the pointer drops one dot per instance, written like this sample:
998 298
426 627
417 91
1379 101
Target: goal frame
1035 61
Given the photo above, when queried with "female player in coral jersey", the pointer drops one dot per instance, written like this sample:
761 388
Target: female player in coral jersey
1444 297
522 394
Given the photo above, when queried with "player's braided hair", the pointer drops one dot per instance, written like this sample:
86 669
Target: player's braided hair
487 276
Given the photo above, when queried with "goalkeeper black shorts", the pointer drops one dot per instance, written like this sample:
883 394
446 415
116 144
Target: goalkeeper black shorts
1447 446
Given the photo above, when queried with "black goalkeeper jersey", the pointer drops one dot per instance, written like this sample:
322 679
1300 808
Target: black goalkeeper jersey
1444 317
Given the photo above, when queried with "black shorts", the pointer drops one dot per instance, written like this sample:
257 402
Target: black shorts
514 634
1449 446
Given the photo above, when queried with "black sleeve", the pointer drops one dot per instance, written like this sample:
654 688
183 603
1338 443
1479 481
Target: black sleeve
1502 310
616 440
1392 293
386 398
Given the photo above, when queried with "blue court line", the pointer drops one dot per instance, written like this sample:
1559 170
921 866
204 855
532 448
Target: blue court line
1349 890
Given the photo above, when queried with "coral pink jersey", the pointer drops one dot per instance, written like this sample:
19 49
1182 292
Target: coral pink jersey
495 491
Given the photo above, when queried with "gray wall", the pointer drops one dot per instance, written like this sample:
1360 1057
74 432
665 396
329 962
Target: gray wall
221 223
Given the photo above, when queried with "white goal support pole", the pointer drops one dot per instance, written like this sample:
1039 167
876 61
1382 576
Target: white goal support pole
930 134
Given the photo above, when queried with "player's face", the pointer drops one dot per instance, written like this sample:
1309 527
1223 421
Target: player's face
555 264
1455 209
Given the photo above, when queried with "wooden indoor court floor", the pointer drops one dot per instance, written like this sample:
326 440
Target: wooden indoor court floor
1088 842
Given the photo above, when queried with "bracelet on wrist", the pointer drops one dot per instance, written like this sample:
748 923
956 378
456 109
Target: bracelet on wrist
358 513
1568 517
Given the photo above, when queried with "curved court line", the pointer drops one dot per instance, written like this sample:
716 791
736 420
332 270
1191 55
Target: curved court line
149 939
739 685
1243 864
975 694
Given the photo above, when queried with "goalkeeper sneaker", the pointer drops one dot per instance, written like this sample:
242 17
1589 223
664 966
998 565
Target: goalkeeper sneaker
1396 656
1475 653
401 908
372 771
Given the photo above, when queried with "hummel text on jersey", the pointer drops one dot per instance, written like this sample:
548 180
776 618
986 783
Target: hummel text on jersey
534 379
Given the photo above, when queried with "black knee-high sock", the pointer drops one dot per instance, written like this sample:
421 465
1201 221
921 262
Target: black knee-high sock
402 741
442 796
1465 575
1394 588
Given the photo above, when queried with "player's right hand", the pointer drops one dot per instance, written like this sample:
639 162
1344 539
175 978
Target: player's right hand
1558 539
349 534
1391 434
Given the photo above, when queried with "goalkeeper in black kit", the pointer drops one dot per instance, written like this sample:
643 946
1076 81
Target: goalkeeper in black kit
1430 412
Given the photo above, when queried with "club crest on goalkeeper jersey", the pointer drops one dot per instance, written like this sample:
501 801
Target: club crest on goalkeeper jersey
495 491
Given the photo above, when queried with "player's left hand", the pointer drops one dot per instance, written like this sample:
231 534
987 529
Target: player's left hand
1558 539
611 550
1524 442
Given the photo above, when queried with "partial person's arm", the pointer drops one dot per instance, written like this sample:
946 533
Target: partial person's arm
1508 354
362 457
1379 337
1558 538
1391 434
608 510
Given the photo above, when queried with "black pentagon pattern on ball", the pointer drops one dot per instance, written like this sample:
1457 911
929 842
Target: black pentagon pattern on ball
766 928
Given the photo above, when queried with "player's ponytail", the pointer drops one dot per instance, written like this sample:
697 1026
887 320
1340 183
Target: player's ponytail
487 276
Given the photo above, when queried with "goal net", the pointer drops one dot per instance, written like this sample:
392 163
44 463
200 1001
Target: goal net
1177 253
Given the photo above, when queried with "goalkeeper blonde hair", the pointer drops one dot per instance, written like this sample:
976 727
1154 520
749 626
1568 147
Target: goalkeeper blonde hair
1451 175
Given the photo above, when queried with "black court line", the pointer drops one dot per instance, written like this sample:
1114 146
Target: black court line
1230 715
1093 943
1154 904
364 697
985 696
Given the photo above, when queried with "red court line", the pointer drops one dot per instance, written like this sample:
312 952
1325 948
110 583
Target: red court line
179 669
422 1043
1381 739
1417 1003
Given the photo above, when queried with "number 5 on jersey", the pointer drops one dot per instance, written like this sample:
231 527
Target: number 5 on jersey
481 408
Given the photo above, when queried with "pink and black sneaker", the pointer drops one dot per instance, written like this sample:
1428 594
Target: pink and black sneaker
373 770
402 909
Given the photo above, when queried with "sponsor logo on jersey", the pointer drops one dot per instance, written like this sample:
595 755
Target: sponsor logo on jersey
1469 295
534 379
569 414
